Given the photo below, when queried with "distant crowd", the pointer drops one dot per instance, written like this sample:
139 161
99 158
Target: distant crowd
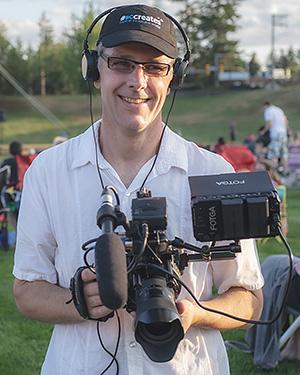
12 171
267 148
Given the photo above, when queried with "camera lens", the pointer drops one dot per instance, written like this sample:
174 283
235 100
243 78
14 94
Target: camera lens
158 326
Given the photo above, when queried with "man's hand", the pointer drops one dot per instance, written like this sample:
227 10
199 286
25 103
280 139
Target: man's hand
93 301
186 310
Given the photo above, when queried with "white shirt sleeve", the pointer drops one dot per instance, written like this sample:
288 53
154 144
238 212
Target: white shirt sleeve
36 245
243 271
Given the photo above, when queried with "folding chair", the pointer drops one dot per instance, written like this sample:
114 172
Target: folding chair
293 310
294 162
266 342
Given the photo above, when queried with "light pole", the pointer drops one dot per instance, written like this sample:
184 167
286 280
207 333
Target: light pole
276 20
217 56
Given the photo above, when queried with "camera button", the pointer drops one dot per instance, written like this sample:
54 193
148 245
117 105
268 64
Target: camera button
132 344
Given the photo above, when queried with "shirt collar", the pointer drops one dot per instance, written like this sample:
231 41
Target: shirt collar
86 148
172 152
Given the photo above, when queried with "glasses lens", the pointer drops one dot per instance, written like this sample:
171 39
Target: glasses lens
156 69
121 65
127 66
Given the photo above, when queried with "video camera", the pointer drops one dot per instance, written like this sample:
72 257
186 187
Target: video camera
230 206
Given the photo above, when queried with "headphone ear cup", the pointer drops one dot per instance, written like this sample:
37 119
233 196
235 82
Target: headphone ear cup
89 65
179 72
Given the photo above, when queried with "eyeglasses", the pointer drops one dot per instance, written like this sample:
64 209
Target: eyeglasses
127 66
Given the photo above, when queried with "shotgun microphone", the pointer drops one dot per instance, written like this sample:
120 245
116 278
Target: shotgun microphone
110 257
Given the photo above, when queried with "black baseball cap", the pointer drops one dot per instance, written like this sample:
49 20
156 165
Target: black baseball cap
139 23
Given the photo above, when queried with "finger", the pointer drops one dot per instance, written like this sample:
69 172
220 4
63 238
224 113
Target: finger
180 307
99 312
91 289
93 301
87 275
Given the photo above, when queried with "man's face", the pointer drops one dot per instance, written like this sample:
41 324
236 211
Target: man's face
133 101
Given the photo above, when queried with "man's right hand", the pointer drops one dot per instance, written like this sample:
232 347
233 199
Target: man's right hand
93 301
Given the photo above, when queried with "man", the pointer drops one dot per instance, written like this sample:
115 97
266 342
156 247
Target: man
277 124
62 196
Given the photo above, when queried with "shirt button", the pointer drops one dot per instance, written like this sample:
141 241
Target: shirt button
132 344
127 194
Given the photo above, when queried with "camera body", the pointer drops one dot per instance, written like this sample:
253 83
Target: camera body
150 210
151 293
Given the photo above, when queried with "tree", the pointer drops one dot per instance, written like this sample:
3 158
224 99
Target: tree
190 22
4 43
287 60
50 55
46 44
17 64
52 68
218 19
208 24
292 58
74 47
12 58
4 47
33 70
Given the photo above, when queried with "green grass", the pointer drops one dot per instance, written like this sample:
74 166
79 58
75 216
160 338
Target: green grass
23 342
242 363
201 118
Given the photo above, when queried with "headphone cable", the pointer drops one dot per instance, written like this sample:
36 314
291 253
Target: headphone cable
160 140
94 133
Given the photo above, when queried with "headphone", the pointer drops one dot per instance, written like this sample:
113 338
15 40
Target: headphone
89 62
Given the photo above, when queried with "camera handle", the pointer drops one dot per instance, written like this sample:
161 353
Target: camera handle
205 253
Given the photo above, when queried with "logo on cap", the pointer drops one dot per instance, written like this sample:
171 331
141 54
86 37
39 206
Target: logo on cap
140 18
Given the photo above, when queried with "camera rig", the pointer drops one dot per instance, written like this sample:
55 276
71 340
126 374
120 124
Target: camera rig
224 207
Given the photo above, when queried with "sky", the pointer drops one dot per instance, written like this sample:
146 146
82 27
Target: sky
254 33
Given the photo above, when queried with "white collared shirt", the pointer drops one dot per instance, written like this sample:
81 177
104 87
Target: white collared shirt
276 117
60 201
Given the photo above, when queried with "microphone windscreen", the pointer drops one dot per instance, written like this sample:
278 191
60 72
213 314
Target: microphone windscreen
111 270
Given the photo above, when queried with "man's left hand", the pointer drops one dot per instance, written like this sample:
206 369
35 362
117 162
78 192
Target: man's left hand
186 310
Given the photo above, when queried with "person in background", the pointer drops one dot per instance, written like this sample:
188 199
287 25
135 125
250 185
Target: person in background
232 131
250 142
12 177
277 123
218 147
15 148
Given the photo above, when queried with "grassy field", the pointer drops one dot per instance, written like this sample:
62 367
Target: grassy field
22 342
201 118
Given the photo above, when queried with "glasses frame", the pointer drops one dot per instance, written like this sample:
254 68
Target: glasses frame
110 59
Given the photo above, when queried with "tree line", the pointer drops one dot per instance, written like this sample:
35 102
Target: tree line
53 67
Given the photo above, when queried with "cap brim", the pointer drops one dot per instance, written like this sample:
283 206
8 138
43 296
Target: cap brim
127 36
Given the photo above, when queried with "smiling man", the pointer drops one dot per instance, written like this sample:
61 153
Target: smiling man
135 68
